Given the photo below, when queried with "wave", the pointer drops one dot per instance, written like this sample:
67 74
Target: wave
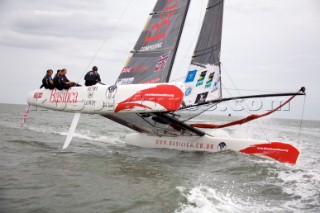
204 199
81 134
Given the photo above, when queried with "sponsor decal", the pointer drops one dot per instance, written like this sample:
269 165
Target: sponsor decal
90 94
185 144
201 78
201 98
191 75
282 152
159 29
64 96
111 91
209 81
110 94
89 103
151 47
94 88
108 105
162 62
37 95
125 80
168 96
188 91
134 69
151 81
215 87
126 69
222 146
91 91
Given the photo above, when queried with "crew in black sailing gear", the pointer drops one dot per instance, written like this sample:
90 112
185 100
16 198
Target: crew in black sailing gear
64 82
47 81
57 74
92 77
56 80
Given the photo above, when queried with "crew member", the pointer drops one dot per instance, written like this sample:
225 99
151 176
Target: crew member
56 80
64 82
47 81
92 77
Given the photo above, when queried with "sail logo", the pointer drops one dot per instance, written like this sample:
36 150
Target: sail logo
125 80
209 81
152 81
159 29
215 87
162 62
201 78
201 98
151 47
191 75
188 91
134 69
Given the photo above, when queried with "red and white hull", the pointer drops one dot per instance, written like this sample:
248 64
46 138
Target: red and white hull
279 151
108 99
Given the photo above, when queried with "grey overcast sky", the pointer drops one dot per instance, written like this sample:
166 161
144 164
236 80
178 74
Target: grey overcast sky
269 45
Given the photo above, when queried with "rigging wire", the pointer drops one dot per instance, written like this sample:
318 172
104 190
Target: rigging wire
246 109
196 115
301 120
105 40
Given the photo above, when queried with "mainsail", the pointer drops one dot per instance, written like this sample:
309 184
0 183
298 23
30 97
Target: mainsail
151 62
153 55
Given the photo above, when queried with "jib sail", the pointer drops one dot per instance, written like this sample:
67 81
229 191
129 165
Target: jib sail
153 55
203 80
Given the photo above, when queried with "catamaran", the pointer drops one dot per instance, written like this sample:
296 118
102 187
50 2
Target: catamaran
144 100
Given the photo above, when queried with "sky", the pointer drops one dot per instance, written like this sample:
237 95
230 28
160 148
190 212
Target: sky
270 45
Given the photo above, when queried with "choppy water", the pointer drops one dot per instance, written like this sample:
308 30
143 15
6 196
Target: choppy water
99 173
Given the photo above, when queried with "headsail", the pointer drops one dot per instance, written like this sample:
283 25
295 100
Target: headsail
203 80
153 55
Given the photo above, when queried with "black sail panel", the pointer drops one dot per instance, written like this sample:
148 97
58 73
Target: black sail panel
154 52
208 47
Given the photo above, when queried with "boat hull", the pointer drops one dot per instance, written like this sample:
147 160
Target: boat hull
279 151
108 99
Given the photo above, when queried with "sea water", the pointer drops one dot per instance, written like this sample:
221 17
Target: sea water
99 173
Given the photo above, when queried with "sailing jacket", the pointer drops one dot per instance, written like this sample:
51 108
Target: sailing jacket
46 82
91 78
